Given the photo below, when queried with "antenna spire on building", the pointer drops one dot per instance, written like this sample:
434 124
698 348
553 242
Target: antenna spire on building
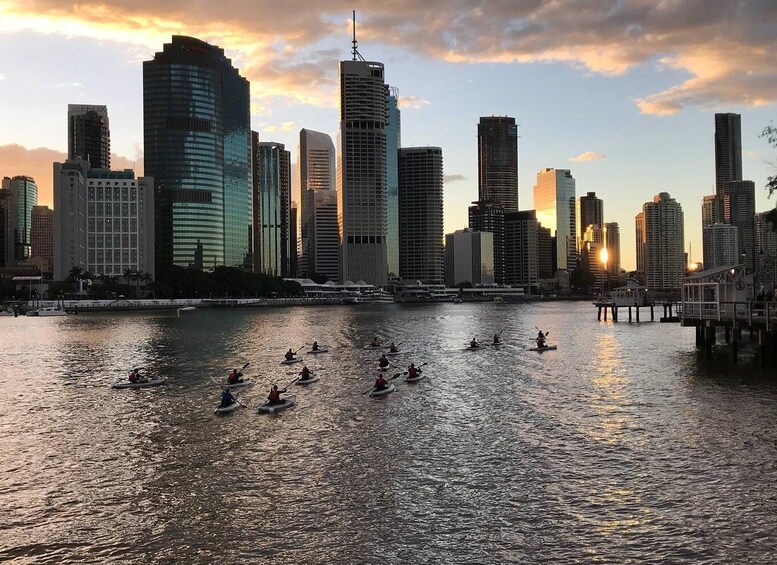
355 51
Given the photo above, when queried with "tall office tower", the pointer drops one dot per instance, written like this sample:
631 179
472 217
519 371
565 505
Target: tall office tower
273 227
421 214
545 248
612 240
591 245
196 125
7 227
25 197
521 253
255 223
661 228
42 237
720 245
103 220
393 143
711 210
489 216
639 228
293 243
318 243
728 149
554 200
469 258
590 211
766 239
498 161
738 199
361 172
88 134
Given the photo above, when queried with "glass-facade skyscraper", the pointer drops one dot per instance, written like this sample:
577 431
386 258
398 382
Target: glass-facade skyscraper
23 193
393 143
498 161
554 200
89 135
196 118
728 149
274 216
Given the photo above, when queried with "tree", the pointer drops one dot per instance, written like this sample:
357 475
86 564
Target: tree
75 274
770 133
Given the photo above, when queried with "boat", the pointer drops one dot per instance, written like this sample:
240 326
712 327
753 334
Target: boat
391 353
287 402
241 384
470 348
497 344
5 313
142 384
415 379
291 361
48 312
187 308
319 350
308 381
226 409
388 390
544 348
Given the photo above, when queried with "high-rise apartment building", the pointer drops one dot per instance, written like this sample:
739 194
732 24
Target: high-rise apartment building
546 247
520 249
469 258
89 135
7 227
738 208
197 143
728 149
393 143
498 161
421 214
720 245
766 262
103 220
42 237
488 216
554 201
711 210
660 243
317 168
24 195
590 211
274 198
361 172
612 240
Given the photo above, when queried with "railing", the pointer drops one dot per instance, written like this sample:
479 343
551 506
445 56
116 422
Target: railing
752 313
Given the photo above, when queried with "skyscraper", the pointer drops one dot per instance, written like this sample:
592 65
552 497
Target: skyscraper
728 149
469 258
393 143
545 252
274 170
720 245
521 253
318 212
196 117
766 265
660 242
421 214
24 196
7 227
488 216
554 200
42 236
498 161
361 172
88 134
612 240
590 210
711 211
738 203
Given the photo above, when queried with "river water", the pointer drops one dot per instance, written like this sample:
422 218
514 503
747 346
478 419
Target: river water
621 446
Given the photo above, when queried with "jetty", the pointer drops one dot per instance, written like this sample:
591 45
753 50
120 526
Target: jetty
630 297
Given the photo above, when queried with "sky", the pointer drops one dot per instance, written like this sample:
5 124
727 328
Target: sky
621 92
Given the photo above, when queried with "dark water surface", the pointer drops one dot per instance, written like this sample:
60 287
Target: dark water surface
619 447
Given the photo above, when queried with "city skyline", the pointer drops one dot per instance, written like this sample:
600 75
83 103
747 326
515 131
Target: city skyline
617 130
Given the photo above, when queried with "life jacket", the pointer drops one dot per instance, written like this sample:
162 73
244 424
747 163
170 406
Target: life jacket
133 377
305 373
274 396
380 383
232 377
289 355
413 371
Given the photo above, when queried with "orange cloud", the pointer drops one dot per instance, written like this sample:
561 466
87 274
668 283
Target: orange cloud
589 156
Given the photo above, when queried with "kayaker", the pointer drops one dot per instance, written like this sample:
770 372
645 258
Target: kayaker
412 371
305 374
289 355
383 361
275 396
380 382
496 339
134 377
473 344
227 398
235 377
540 339
374 342
315 346
393 348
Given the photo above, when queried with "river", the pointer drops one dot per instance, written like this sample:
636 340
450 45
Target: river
621 446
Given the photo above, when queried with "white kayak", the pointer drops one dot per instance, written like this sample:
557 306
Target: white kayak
240 384
470 348
497 344
226 409
415 379
142 384
309 381
319 350
391 353
544 348
291 361
287 402
374 346
388 390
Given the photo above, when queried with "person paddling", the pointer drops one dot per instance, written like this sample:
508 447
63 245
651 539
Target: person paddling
380 382
412 371
305 373
473 344
315 346
289 355
274 397
496 339
383 362
393 348
134 376
235 377
227 398
374 342
540 339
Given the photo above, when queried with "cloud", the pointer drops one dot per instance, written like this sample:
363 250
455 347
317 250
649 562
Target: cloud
285 126
38 163
412 102
68 84
2 76
589 156
724 48
453 178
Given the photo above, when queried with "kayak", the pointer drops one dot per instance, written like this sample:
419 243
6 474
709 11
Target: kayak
309 381
386 366
291 361
470 348
319 350
226 409
243 383
545 348
390 353
374 347
415 379
389 389
287 402
498 344
146 384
